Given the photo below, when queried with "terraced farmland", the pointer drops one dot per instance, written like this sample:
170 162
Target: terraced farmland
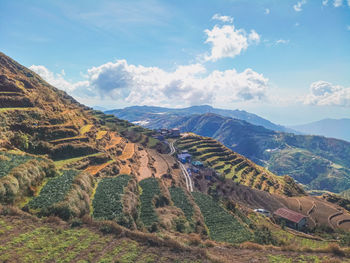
150 189
222 225
27 241
240 169
181 201
107 203
54 191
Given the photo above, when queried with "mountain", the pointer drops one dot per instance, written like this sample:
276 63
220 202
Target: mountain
146 115
78 185
317 162
333 128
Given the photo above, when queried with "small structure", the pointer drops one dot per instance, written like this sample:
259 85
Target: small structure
197 163
263 212
184 157
290 218
175 132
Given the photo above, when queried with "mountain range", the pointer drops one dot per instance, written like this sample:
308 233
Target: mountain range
317 162
147 115
334 128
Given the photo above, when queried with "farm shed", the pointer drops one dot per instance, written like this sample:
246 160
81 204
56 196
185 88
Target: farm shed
197 163
290 218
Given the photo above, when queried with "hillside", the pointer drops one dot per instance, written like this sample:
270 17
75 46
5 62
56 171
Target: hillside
77 185
154 117
332 128
236 167
317 162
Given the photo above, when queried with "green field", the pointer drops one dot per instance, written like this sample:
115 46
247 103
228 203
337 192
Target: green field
10 161
150 188
181 201
107 203
54 191
222 225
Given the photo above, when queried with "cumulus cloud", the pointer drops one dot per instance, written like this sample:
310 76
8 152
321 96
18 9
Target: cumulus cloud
323 93
186 85
227 41
325 2
298 6
338 3
225 19
56 80
267 11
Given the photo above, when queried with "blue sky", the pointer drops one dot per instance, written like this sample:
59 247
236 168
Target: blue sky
288 61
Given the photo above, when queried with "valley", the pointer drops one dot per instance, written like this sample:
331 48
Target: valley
79 185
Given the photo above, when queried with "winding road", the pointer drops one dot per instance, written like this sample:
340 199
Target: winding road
188 179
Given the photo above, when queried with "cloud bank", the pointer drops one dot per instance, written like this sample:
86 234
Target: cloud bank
186 85
323 93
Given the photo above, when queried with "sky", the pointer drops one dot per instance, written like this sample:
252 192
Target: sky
287 61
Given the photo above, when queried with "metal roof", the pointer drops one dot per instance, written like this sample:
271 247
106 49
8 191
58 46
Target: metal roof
289 214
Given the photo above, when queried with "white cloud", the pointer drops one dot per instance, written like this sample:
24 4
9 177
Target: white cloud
338 3
348 27
267 11
56 80
282 41
323 93
187 85
226 19
298 6
227 41
325 2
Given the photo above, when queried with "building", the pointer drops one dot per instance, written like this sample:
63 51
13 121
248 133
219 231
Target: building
184 157
290 218
175 132
197 163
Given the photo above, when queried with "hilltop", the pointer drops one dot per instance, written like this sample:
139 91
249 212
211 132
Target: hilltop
78 185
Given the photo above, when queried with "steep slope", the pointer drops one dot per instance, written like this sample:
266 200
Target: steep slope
232 165
333 128
153 117
315 161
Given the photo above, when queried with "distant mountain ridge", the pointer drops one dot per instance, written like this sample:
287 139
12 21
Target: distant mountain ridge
144 114
334 128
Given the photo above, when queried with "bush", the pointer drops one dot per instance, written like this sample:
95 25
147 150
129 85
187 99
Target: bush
263 236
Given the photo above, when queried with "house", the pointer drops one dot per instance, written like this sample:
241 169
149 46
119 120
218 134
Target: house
184 157
290 218
197 163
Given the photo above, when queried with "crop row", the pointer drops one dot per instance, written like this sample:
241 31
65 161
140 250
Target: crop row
150 189
181 201
10 161
221 224
54 190
107 203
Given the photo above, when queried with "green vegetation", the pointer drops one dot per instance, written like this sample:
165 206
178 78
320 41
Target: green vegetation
181 201
10 161
54 191
107 203
236 167
150 189
221 224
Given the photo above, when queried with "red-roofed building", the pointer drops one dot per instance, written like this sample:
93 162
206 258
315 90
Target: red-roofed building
290 218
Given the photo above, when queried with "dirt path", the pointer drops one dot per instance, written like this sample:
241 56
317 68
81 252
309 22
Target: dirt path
160 165
144 170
